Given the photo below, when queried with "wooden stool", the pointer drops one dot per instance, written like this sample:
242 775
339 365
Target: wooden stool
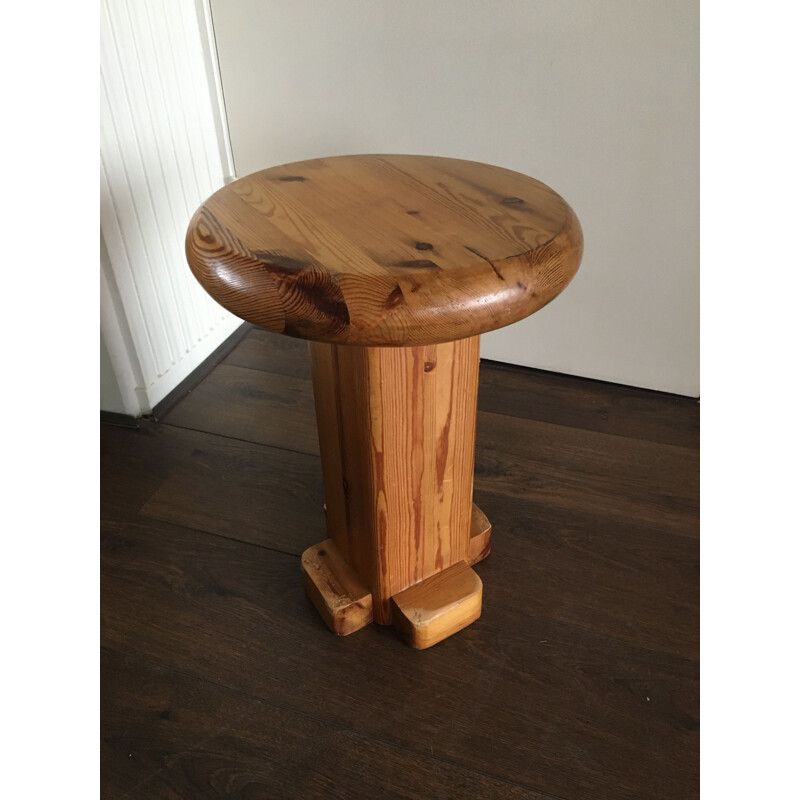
392 266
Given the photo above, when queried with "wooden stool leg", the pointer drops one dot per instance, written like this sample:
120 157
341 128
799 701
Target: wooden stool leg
397 438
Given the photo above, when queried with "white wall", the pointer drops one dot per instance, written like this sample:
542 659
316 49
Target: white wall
600 100
111 398
161 154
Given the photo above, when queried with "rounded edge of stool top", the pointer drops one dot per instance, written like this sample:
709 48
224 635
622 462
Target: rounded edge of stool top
384 250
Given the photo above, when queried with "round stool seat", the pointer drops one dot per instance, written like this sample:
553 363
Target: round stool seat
384 249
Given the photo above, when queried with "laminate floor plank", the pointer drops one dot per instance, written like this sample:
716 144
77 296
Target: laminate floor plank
525 393
255 406
622 580
270 352
192 738
592 405
257 494
549 706
135 461
574 468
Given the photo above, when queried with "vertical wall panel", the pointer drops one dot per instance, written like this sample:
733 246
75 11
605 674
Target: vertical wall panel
160 158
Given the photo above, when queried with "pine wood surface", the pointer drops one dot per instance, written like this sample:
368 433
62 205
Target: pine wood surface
343 602
480 536
384 249
397 434
579 680
346 606
438 606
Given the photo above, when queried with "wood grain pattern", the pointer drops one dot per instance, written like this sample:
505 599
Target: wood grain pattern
397 433
384 250
425 613
335 591
480 536
439 606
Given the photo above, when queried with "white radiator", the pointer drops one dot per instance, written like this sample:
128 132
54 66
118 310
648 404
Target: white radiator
163 150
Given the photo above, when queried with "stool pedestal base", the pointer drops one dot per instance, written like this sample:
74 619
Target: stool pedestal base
397 439
425 613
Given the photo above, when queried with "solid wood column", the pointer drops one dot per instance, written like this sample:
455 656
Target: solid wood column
397 438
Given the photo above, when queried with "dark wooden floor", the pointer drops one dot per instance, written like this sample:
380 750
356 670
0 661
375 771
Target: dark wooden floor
579 681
